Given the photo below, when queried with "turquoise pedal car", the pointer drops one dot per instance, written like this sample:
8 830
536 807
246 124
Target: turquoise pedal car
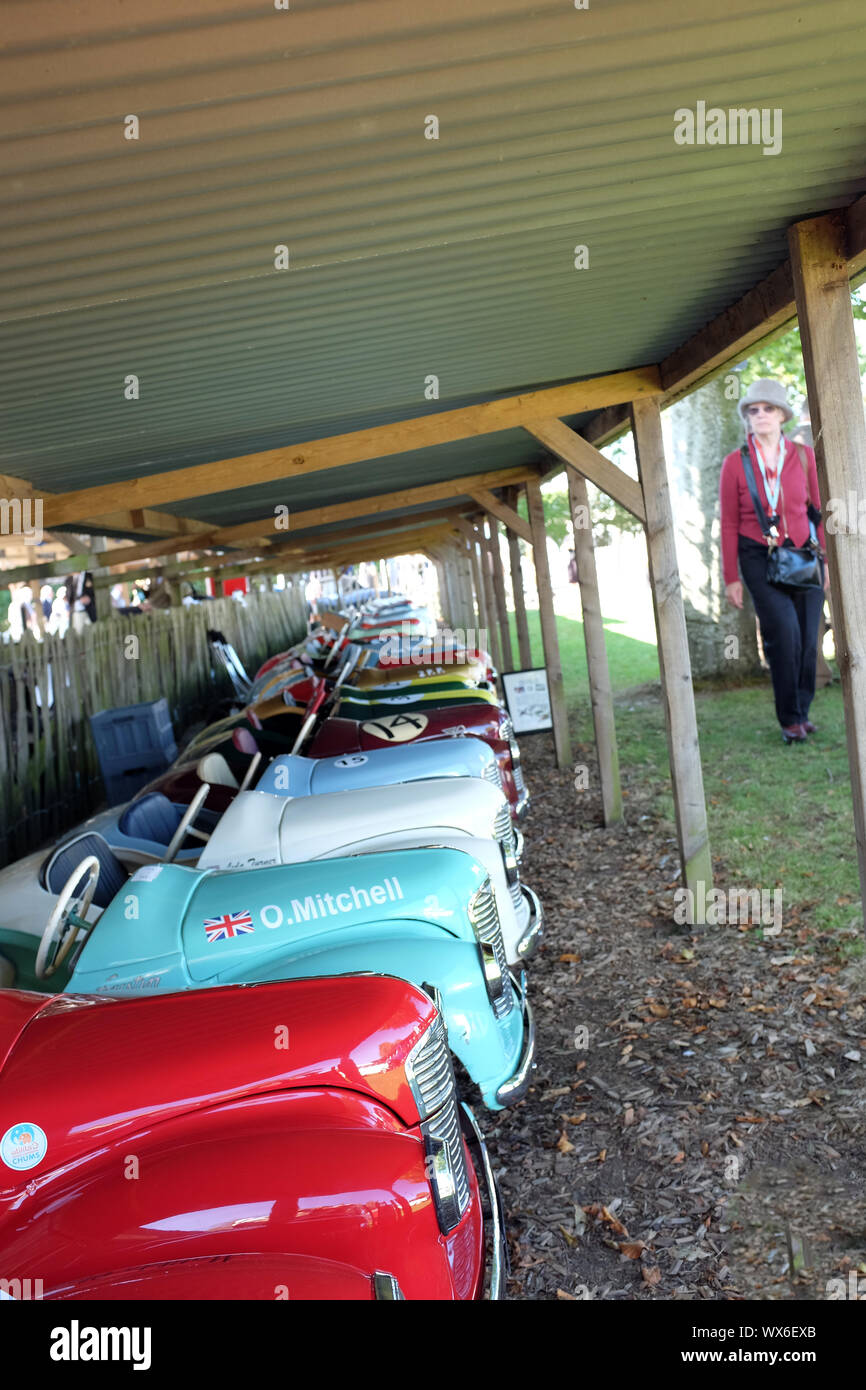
428 916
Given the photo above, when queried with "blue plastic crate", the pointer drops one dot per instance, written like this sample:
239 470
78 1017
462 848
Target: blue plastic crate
134 743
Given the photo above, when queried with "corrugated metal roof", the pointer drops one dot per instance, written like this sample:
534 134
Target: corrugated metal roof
408 256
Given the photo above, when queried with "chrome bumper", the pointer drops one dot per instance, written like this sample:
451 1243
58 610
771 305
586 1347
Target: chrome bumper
495 1222
516 1086
528 943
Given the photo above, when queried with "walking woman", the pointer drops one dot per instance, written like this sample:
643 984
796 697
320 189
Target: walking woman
784 492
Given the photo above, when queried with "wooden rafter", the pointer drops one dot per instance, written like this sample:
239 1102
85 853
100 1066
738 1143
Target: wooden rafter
143 520
734 333
577 453
263 529
338 451
501 510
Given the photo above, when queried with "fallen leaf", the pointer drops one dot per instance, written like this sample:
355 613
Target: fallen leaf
563 1145
651 1274
659 1010
633 1249
569 956
678 1157
609 1218
575 1119
560 1293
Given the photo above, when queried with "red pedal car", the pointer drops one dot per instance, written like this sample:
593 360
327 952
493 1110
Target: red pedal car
297 1140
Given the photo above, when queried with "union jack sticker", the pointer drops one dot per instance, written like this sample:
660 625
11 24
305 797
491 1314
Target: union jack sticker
229 925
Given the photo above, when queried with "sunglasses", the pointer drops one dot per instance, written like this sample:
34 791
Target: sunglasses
760 409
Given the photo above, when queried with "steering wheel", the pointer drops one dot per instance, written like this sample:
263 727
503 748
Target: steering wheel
67 918
186 820
305 731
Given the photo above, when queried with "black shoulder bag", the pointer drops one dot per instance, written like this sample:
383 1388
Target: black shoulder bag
787 566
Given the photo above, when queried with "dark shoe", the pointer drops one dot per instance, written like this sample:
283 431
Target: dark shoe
809 726
795 733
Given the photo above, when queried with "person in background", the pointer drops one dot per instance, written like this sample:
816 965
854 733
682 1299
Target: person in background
82 600
46 598
59 621
312 593
786 489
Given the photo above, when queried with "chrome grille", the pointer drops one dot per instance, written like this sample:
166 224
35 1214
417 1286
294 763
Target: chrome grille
428 1069
445 1127
516 769
503 829
492 774
517 896
488 930
430 1074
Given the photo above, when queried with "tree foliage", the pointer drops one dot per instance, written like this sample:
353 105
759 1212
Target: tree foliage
782 357
608 516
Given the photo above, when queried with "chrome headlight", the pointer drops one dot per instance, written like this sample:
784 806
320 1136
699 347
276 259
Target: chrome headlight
484 917
431 1077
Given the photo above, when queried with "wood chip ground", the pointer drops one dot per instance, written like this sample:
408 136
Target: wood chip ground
695 1127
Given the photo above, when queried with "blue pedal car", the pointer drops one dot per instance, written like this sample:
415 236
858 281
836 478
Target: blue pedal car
428 916
295 775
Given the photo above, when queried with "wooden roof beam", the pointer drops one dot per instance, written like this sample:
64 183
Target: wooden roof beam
358 446
575 452
142 520
502 512
765 309
263 529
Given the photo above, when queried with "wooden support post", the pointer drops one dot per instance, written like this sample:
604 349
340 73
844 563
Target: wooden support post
464 567
547 615
480 605
485 566
600 693
673 648
441 584
819 260
523 644
495 557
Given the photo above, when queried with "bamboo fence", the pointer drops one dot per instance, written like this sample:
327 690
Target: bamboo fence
49 770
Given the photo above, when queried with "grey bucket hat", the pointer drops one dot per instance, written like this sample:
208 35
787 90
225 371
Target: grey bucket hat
770 392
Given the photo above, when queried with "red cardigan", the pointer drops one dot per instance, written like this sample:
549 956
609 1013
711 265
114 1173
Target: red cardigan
738 514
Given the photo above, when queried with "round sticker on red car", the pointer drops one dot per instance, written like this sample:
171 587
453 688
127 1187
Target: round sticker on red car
23 1146
396 728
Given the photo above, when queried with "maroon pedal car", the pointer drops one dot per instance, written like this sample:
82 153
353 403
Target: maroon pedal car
293 1140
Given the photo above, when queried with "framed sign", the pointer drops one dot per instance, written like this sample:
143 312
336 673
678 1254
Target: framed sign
528 700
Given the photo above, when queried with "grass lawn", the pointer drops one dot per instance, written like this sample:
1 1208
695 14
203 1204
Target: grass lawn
778 817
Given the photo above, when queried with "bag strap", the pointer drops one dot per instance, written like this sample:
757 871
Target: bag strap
801 454
751 484
814 513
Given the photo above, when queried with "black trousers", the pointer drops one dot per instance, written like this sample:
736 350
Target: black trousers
789 621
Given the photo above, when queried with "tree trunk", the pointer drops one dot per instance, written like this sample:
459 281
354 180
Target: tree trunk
705 426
